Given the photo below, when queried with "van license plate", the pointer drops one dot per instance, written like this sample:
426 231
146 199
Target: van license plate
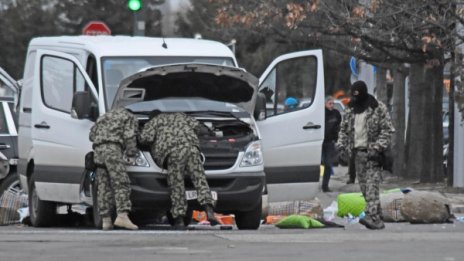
192 194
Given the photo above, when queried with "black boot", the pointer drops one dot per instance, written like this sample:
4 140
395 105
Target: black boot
179 223
210 215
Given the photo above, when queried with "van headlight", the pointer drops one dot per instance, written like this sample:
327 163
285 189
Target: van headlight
140 160
253 155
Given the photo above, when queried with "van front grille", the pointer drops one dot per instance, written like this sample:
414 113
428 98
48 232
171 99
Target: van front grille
217 158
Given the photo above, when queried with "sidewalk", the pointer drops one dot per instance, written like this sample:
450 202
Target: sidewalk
338 185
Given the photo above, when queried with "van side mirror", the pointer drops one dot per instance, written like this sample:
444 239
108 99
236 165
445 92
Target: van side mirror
260 107
83 107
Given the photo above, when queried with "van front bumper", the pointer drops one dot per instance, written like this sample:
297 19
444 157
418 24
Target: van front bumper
236 192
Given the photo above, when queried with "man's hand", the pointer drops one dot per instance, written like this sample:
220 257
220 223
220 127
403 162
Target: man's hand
373 155
130 160
342 154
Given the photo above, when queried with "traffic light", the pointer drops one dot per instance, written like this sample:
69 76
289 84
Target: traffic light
134 5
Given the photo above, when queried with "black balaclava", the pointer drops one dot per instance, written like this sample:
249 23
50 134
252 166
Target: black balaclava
359 97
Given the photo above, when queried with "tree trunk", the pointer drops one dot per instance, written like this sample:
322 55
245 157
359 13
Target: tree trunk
381 85
418 142
398 118
434 76
425 127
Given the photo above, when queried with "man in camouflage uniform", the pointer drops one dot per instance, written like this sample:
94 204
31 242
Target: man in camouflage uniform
365 133
112 134
175 146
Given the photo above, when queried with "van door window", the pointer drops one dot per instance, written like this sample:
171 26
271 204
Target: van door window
59 80
91 70
286 89
57 83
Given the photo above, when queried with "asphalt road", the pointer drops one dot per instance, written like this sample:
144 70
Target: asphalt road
399 241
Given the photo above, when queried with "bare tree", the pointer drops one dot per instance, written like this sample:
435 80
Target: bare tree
385 32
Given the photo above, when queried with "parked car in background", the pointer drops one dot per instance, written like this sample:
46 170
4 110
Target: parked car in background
9 145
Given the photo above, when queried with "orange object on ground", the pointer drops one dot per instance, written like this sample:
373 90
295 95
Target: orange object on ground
273 219
199 216
225 219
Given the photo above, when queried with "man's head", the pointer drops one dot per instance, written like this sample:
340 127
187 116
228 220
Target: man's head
359 92
329 103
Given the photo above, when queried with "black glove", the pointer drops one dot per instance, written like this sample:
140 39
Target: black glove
373 155
342 154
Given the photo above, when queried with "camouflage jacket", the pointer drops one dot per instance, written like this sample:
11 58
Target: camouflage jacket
379 129
116 126
166 132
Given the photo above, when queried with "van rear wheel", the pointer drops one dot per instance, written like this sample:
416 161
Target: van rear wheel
42 213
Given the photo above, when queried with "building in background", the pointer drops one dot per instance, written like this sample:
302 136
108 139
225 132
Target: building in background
170 11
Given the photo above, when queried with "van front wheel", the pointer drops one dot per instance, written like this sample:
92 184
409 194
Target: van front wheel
249 219
42 213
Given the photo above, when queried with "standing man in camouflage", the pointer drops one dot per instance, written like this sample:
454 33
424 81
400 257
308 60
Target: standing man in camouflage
112 134
175 146
365 133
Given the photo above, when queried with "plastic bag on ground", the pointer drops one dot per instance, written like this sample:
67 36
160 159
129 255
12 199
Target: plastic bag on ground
350 203
311 208
331 211
426 207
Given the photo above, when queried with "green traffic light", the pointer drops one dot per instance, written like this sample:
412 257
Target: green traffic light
134 5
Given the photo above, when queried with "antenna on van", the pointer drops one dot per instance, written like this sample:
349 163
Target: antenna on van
164 45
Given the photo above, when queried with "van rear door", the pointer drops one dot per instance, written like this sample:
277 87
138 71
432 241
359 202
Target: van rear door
59 141
293 130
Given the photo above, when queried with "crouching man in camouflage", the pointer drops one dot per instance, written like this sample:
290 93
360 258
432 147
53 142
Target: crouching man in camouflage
365 133
113 133
175 146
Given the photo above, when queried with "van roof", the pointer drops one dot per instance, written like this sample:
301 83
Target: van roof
136 46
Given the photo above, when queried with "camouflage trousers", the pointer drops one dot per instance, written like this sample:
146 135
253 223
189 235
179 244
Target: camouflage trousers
369 175
185 160
113 184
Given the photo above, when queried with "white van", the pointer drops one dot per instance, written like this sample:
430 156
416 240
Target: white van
70 80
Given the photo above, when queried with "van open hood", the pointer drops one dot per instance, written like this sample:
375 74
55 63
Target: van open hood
214 82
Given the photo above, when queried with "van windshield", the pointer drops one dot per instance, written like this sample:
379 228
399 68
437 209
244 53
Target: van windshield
114 69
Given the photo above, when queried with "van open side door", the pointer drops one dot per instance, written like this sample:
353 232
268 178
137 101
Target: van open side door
293 130
59 140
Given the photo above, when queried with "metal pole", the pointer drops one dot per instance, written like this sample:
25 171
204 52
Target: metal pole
458 149
134 23
139 23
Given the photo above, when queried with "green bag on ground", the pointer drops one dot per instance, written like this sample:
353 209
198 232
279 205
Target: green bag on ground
350 203
298 221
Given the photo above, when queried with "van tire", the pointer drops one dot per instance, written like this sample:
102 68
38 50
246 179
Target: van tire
10 182
249 220
42 213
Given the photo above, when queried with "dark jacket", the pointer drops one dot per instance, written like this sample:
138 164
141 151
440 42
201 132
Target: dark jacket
332 124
